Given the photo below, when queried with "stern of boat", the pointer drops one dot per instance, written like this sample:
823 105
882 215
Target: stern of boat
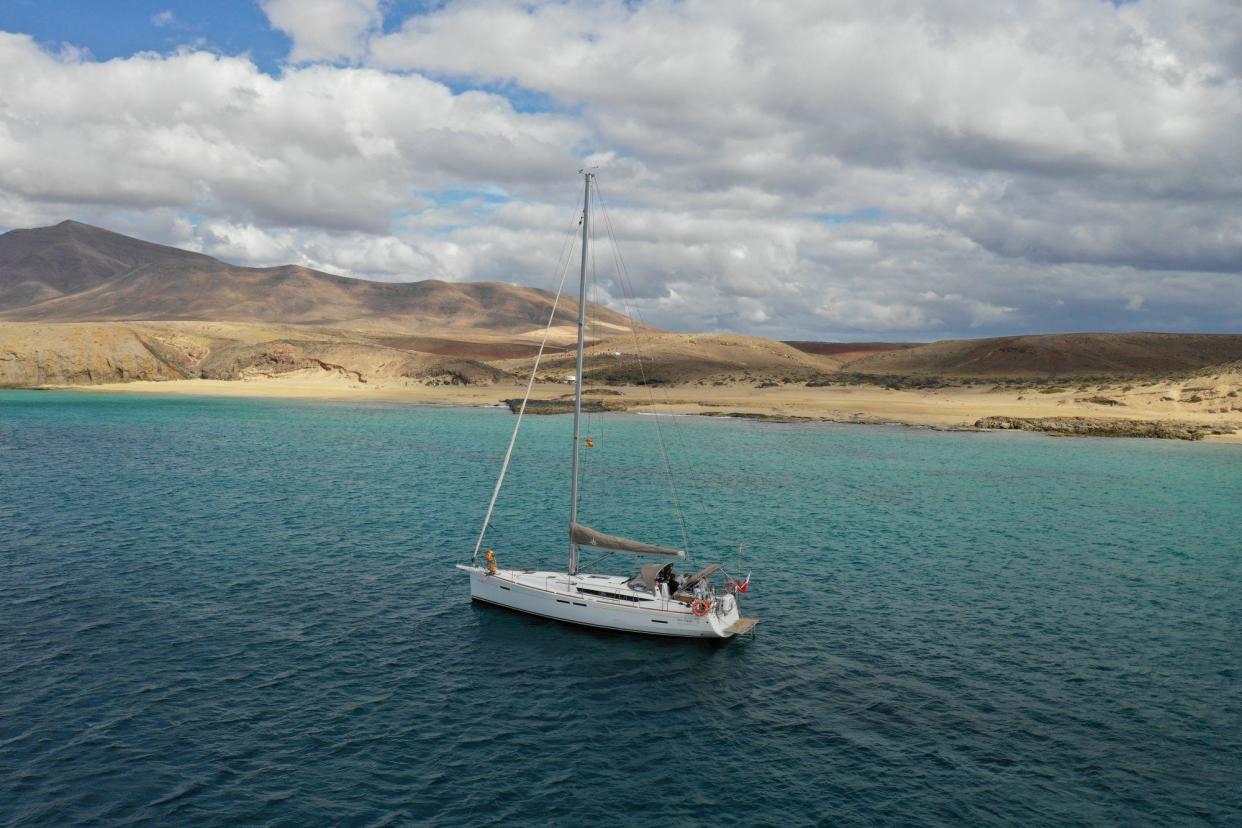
726 618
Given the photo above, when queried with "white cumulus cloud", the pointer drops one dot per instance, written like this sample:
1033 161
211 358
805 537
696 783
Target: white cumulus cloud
800 169
324 29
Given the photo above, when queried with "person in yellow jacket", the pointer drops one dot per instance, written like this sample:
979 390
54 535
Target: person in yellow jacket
491 562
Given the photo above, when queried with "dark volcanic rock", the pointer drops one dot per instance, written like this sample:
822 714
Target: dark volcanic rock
1106 427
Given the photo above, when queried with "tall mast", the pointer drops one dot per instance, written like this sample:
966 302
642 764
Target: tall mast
573 482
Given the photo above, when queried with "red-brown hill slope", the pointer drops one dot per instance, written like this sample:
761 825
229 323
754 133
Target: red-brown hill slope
1053 355
75 272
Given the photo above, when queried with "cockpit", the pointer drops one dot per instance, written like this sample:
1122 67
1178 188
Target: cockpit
662 581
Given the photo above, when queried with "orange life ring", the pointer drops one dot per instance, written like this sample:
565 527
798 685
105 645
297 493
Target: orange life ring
700 607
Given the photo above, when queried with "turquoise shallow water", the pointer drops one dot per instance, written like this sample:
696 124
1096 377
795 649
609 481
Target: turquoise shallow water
225 612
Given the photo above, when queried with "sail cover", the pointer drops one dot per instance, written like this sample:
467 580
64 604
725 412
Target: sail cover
586 536
700 575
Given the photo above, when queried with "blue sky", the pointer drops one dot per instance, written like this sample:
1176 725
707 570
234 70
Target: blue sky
119 28
801 170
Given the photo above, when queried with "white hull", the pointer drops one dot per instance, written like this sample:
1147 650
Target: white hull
555 595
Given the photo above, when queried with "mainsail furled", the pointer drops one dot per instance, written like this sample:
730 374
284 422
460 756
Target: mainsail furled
586 536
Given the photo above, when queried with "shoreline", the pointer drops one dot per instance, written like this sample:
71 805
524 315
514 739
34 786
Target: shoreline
945 409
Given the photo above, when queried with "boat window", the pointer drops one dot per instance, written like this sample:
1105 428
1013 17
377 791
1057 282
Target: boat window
615 595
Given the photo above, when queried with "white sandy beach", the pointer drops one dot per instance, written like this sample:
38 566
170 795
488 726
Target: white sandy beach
942 408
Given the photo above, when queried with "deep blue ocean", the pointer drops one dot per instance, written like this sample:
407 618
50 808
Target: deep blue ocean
223 612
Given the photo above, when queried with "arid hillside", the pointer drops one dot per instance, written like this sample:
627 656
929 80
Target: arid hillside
845 352
93 353
74 272
1057 355
80 305
678 359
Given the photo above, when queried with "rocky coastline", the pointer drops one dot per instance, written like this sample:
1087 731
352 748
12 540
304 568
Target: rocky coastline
1108 427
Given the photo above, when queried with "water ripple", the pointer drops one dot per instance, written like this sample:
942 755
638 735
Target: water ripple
223 612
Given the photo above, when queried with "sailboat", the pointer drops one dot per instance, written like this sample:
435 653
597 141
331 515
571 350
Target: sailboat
652 600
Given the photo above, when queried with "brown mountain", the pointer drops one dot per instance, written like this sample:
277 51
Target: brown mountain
46 263
86 305
76 272
1057 355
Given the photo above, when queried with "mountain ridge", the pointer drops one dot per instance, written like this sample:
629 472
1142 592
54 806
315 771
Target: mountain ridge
1057 355
73 273
78 272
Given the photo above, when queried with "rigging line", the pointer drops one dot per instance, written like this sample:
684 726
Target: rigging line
595 483
632 308
599 482
496 529
598 422
504 468
599 337
623 278
595 336
628 295
597 560
585 477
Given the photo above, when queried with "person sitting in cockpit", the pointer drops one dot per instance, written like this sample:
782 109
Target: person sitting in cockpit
667 577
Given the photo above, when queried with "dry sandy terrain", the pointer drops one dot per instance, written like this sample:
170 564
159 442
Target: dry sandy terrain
76 304
709 374
944 407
